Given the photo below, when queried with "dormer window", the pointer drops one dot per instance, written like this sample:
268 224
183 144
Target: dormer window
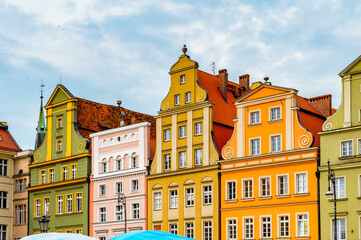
188 97
182 79
59 122
177 99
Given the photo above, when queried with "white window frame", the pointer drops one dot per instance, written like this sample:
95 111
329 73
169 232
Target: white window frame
235 190
250 117
204 227
116 187
359 189
182 79
207 195
188 97
177 100
271 142
189 196
344 187
119 213
296 182
260 186
308 224
173 229
278 184
244 188
186 229
100 214
60 204
157 201
279 225
100 191
167 159
182 131
261 227
166 135
359 146
198 128
51 175
244 227
198 161
235 229
131 185
183 159
341 147
132 210
119 164
338 229
251 146
173 199
270 113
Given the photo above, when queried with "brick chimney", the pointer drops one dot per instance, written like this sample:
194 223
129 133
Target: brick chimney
223 83
243 84
323 104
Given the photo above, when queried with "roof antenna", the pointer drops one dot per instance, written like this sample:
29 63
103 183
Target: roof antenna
60 80
213 66
42 89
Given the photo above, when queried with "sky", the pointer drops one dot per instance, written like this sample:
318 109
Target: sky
106 51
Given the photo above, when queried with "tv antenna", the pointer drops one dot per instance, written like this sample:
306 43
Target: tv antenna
213 67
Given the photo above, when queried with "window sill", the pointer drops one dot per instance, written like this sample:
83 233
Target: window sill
359 198
231 200
67 214
283 196
301 194
265 198
207 204
59 151
157 209
283 238
134 191
59 128
197 135
254 124
338 199
247 199
304 237
347 157
275 121
190 206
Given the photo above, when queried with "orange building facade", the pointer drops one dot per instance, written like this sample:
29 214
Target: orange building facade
268 172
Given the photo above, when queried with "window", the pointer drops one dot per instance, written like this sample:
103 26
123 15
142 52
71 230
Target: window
232 229
198 157
207 195
64 173
346 148
3 167
284 226
102 238
182 132
248 228
3 232
247 188
20 214
77 231
301 181
59 205
182 79
282 185
302 225
198 129
102 214
173 199
133 162
104 167
189 230
190 197
3 199
276 143
119 212
231 190
266 227
207 230
69 203
135 210
21 185
341 228
275 114
255 117
59 123
79 202
173 228
73 171
340 187
176 99
102 190
182 159
157 201
118 187
166 135
134 185
69 231
167 162
119 164
37 207
59 145
255 147
51 176
188 97
265 187
43 176
46 206
359 146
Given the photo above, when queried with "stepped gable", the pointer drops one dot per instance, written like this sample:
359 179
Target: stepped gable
94 117
7 142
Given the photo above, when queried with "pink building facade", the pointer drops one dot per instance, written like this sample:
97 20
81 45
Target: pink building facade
119 166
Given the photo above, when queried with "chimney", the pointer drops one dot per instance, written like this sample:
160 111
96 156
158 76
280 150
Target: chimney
223 83
243 84
323 104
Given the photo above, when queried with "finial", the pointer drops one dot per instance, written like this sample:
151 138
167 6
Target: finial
119 103
184 49
266 79
41 89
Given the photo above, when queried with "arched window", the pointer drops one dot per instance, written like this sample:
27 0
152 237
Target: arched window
134 161
119 163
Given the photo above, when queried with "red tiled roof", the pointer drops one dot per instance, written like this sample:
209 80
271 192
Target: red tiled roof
7 142
303 103
94 117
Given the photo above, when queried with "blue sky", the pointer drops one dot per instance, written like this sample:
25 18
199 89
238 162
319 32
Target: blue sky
109 50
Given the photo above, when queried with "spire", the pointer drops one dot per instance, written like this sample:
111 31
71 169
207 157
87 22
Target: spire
40 129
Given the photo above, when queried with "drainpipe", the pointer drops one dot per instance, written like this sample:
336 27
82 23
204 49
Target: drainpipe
318 198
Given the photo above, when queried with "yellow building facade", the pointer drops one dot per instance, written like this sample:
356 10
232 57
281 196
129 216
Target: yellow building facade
183 181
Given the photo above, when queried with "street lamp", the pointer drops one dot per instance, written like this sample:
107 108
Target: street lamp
331 178
123 200
44 223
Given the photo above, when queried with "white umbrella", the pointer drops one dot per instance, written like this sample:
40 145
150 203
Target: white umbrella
57 236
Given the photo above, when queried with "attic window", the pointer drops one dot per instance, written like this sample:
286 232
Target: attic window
182 79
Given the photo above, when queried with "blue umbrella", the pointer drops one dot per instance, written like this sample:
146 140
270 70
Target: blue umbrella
149 235
57 236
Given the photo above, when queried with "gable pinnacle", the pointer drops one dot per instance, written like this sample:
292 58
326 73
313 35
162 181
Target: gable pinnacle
184 49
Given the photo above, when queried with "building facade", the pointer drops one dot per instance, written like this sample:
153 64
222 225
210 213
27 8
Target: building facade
341 145
21 179
194 123
268 175
119 166
8 149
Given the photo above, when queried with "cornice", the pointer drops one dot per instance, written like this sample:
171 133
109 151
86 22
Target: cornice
182 172
59 160
57 184
96 179
340 130
184 108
